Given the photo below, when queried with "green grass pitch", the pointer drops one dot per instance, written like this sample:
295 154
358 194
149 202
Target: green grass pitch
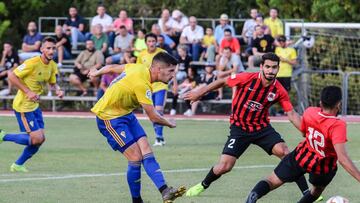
75 164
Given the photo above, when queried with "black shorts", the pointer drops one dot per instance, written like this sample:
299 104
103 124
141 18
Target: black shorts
285 82
289 170
81 77
239 140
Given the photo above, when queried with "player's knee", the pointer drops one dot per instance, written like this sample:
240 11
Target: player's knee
108 60
224 167
38 140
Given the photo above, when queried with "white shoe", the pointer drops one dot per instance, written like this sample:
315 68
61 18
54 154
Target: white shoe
172 112
188 113
157 144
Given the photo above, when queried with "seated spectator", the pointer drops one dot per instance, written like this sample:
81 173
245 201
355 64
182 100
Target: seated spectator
31 43
229 63
219 29
249 27
184 61
87 60
161 44
106 22
76 25
261 44
166 22
180 21
100 39
209 45
259 20
231 42
9 61
63 46
105 82
155 29
128 57
275 24
139 42
123 20
192 36
123 43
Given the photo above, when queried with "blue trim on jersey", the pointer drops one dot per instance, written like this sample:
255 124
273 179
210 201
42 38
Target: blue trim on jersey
159 98
30 121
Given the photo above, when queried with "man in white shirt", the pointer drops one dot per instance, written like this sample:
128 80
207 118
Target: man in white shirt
192 35
102 18
166 22
249 26
180 21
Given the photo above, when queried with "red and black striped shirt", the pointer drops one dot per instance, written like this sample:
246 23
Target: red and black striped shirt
316 154
252 100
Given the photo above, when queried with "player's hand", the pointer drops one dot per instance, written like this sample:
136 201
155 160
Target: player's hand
33 96
192 96
92 73
60 93
172 123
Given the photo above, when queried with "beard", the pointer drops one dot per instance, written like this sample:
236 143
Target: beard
267 78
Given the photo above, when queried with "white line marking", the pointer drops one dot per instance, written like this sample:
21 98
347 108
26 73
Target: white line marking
89 175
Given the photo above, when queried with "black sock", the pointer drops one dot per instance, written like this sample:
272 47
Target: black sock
162 188
308 198
260 189
210 177
137 200
302 184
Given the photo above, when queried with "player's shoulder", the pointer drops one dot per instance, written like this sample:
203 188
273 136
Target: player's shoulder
137 71
32 61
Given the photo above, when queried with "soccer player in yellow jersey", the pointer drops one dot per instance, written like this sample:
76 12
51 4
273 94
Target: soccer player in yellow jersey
159 88
116 121
30 78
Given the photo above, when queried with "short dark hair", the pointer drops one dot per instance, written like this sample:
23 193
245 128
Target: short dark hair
122 27
166 58
49 39
152 35
330 96
274 8
101 5
270 56
143 31
227 48
227 30
210 28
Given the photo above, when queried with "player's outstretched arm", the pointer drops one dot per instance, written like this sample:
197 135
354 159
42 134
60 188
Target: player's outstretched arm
294 118
195 95
345 161
155 117
113 68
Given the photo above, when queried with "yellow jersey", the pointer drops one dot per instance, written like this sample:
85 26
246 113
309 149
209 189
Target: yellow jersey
276 26
35 74
208 40
285 68
127 91
146 58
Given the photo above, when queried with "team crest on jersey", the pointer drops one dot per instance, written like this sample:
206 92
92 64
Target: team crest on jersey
271 96
31 123
21 67
148 94
123 134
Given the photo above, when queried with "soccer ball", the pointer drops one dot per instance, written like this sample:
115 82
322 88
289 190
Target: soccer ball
337 199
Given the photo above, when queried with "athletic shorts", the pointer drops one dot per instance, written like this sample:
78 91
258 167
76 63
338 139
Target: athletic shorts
239 140
159 98
121 132
289 170
30 121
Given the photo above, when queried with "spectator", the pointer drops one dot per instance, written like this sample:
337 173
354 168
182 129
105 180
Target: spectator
139 43
161 44
260 21
123 43
102 18
100 39
209 45
123 20
249 27
166 22
178 25
287 57
219 30
230 62
192 35
9 60
105 82
155 29
231 42
274 23
63 46
31 42
87 60
184 62
191 81
261 44
76 25
128 57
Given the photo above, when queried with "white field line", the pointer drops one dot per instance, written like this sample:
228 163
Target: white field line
89 175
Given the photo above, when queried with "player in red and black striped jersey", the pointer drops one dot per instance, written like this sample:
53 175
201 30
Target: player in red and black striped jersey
255 93
324 145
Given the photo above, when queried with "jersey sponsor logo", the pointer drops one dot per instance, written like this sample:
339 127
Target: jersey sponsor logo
251 89
122 133
148 94
31 123
21 67
271 96
253 105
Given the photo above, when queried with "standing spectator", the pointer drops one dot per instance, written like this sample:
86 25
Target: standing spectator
155 29
219 29
102 18
123 43
31 42
87 60
76 25
9 61
123 20
63 46
166 22
249 27
100 39
275 24
287 57
178 25
139 42
105 82
231 42
192 35
161 44
209 45
262 44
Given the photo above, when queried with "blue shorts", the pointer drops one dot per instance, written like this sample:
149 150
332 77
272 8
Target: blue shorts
159 97
121 132
30 121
